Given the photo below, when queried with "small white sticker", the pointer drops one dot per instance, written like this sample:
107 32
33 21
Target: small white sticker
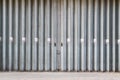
48 40
94 40
68 40
107 41
36 39
118 41
23 39
11 38
82 40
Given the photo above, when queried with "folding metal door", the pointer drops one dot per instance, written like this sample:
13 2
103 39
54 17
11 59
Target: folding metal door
60 35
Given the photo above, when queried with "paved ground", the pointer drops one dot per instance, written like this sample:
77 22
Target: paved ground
58 76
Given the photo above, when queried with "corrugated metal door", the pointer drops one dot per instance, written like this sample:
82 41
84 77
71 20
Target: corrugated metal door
60 35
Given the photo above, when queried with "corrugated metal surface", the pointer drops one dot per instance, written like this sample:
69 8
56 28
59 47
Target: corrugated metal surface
60 35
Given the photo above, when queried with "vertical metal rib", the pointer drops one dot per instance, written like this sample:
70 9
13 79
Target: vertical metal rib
70 35
16 37
119 38
58 46
102 46
10 37
90 35
34 35
4 35
1 36
63 35
108 36
41 35
113 37
54 35
22 34
77 36
47 35
28 35
83 35
96 36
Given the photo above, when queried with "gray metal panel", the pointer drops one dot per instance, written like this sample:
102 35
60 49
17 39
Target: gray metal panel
83 34
108 36
102 38
1 36
34 35
96 36
90 35
4 35
63 35
22 35
47 35
16 36
119 37
58 34
70 35
41 36
77 36
107 44
10 37
54 35
113 36
28 36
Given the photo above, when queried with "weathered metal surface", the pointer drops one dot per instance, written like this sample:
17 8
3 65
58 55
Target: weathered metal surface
59 35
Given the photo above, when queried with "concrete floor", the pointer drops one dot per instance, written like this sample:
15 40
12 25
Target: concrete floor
58 76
